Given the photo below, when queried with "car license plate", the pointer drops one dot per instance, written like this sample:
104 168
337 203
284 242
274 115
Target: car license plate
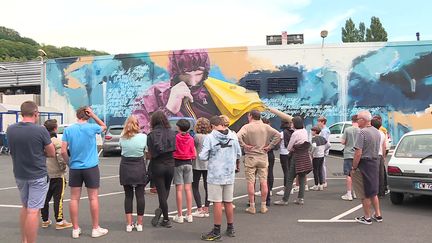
423 186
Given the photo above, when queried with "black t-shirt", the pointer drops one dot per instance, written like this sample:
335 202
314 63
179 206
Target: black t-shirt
27 143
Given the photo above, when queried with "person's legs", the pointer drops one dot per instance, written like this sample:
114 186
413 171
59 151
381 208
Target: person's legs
37 190
179 199
315 164
74 205
128 203
139 194
45 209
367 207
262 175
159 182
321 179
188 192
206 202
324 170
58 193
94 206
376 205
23 219
381 191
290 179
217 213
250 177
31 224
270 175
195 188
302 181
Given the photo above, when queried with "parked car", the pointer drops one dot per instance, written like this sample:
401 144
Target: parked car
336 132
410 167
111 140
62 127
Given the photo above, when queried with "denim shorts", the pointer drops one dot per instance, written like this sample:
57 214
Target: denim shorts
347 166
33 192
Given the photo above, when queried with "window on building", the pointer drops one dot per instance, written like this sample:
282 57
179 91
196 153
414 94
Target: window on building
282 85
253 84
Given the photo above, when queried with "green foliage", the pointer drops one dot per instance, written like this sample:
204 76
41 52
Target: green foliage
13 47
350 32
376 32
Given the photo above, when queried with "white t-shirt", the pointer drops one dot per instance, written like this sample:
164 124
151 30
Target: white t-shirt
382 141
283 149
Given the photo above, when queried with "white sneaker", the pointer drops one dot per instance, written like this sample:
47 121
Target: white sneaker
347 197
139 227
189 218
325 185
76 233
178 219
354 195
315 188
306 188
280 193
129 228
258 193
320 188
98 232
198 214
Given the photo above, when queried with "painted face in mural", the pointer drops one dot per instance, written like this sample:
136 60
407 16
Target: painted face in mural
192 78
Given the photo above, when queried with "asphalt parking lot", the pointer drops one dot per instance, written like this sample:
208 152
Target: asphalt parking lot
323 218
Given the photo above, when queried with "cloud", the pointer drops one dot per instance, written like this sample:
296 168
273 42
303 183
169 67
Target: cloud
137 26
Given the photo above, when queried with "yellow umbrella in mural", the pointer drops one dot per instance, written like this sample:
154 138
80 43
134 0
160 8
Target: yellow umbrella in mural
233 100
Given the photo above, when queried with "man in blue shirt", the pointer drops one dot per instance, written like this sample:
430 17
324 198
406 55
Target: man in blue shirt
80 139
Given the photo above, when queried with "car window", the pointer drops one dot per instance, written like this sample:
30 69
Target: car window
336 129
116 130
346 126
414 146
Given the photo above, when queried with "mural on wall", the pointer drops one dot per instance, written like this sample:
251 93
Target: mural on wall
393 80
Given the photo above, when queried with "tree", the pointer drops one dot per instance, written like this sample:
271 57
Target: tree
376 32
361 32
350 32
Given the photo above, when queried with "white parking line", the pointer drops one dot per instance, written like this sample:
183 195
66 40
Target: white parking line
335 219
8 188
347 212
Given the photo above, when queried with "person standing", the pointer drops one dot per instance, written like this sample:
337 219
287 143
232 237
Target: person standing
56 172
349 137
271 161
300 163
133 172
365 170
325 133
161 143
382 154
319 147
80 139
286 133
30 145
257 139
184 155
221 148
202 129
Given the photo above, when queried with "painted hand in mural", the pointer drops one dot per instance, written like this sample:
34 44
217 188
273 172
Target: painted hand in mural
178 92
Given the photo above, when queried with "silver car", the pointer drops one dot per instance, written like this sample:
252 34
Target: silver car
111 140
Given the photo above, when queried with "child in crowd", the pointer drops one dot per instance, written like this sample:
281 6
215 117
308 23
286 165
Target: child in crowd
56 171
183 177
221 148
202 128
318 149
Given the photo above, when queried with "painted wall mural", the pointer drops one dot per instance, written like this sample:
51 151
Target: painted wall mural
393 80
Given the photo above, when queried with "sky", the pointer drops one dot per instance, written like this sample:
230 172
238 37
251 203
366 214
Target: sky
130 26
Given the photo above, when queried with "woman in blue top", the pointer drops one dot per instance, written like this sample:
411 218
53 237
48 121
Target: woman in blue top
133 171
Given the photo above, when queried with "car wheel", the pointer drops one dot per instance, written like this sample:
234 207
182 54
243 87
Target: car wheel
396 198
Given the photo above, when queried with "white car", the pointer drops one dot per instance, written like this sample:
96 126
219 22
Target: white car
410 167
62 127
336 132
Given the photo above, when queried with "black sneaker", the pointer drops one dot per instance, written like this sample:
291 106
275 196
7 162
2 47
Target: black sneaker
363 220
211 236
230 232
165 224
378 219
155 220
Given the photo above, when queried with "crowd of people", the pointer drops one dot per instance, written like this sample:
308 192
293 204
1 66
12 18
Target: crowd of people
41 160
